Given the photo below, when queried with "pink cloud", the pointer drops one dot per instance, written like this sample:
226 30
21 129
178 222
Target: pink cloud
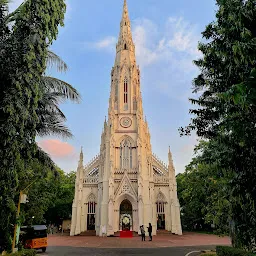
57 148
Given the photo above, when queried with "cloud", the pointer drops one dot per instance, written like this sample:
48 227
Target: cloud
57 148
108 43
176 44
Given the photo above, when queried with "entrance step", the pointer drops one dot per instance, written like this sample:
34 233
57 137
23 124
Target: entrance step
163 232
117 234
88 233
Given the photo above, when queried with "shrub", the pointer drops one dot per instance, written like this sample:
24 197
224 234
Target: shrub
29 252
230 251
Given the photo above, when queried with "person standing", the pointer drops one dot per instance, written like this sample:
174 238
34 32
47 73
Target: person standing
142 230
150 231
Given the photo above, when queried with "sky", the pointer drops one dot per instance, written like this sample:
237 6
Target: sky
166 34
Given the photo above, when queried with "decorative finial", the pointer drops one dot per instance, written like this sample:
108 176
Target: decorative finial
170 155
81 154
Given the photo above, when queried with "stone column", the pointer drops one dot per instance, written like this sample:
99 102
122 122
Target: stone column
110 218
83 217
105 191
78 219
73 220
141 213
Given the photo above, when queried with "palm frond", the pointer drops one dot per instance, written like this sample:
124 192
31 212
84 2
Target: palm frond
67 91
53 60
51 126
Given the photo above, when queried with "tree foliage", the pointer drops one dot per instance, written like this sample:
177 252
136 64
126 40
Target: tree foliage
50 197
226 113
29 99
204 196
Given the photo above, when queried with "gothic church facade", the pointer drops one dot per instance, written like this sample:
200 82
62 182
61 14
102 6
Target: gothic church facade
126 185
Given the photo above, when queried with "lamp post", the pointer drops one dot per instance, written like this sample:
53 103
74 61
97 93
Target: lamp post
22 200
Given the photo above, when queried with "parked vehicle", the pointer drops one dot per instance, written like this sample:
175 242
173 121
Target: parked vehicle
34 237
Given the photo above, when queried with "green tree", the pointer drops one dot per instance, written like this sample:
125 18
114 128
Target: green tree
23 61
227 76
203 194
61 206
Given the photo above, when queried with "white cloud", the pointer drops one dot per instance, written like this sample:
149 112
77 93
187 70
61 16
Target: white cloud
177 43
107 43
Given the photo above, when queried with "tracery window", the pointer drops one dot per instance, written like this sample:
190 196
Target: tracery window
125 90
125 154
160 211
91 211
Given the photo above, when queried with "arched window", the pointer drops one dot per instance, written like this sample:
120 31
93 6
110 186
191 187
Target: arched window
125 46
160 211
125 90
125 154
91 211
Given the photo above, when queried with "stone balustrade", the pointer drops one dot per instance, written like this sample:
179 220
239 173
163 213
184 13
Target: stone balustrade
91 180
163 165
161 179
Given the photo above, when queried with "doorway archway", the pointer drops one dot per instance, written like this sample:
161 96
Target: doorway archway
126 215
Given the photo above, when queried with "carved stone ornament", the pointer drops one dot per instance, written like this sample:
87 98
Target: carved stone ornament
125 122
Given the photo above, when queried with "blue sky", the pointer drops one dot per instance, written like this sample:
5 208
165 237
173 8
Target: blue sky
166 34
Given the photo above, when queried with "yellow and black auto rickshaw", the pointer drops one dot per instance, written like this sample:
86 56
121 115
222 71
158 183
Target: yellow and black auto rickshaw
34 237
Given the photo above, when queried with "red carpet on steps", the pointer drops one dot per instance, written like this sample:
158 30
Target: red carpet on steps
127 233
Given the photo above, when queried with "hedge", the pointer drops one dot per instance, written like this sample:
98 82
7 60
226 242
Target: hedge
29 252
230 251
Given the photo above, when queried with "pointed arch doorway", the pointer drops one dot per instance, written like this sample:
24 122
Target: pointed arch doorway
126 215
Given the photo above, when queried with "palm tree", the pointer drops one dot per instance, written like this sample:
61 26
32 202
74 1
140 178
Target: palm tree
55 91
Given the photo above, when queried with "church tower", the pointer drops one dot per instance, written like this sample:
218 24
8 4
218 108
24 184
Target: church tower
126 186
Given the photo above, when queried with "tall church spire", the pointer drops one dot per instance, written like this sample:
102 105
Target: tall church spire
125 41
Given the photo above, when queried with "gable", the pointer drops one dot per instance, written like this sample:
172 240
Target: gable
125 187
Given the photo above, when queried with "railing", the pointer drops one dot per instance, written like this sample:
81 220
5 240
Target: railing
92 162
160 162
132 173
161 180
91 180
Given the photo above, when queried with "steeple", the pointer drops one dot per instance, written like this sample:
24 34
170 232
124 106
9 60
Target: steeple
171 166
81 159
125 41
125 96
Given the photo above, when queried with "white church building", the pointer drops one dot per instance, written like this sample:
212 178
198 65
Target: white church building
126 185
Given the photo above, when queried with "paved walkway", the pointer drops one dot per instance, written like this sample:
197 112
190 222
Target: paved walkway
187 239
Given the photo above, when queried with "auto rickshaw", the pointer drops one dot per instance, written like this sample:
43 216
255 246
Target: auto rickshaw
34 237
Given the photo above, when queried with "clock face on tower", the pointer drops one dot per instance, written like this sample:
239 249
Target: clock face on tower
126 122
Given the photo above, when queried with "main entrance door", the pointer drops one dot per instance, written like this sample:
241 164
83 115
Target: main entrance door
126 215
